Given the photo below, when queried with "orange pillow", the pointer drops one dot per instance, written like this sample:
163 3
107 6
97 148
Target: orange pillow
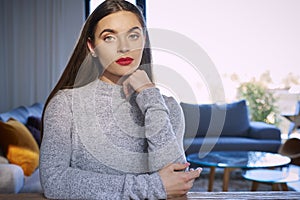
19 146
28 160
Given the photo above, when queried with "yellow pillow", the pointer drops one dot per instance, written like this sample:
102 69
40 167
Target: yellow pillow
19 146
28 160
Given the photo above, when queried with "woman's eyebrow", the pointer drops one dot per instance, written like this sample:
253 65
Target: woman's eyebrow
107 30
113 31
134 28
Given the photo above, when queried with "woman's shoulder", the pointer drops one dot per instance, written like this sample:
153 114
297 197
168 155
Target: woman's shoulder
61 96
58 101
68 93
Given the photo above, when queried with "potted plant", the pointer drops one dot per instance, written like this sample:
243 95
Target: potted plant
260 100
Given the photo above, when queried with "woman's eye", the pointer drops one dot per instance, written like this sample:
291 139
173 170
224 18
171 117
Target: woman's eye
108 38
134 36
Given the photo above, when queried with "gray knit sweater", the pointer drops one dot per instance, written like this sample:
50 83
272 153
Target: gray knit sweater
99 145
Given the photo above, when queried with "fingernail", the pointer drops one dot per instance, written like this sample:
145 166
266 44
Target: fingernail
187 164
199 169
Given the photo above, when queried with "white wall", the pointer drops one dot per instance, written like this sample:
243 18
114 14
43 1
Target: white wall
36 40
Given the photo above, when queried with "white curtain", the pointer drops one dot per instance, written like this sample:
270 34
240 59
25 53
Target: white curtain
36 40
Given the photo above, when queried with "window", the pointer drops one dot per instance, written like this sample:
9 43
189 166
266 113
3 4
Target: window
245 39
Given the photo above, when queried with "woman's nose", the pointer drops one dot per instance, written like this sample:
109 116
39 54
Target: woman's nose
123 46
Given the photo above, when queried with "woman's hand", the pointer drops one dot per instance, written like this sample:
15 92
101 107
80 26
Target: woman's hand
137 81
176 181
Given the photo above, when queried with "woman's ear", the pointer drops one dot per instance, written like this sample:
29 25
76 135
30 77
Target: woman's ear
91 47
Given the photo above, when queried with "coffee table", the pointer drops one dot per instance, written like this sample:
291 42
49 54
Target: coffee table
269 176
231 160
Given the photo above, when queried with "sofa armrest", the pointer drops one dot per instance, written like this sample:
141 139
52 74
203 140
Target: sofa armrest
261 130
11 178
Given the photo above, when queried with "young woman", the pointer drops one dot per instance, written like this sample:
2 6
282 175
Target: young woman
108 132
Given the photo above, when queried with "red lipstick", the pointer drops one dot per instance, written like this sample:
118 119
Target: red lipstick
124 61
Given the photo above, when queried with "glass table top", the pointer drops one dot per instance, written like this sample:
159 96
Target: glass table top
239 159
270 176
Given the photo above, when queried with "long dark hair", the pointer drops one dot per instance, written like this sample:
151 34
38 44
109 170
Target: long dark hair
81 52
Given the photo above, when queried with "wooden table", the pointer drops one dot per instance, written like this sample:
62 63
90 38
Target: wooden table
192 195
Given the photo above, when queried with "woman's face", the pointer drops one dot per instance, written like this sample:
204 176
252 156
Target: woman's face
119 42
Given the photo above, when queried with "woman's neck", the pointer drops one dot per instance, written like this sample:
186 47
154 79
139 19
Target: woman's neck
111 78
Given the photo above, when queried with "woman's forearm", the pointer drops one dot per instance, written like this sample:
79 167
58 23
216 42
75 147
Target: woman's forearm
164 139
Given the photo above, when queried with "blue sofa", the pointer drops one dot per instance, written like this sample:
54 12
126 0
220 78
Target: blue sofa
12 178
212 127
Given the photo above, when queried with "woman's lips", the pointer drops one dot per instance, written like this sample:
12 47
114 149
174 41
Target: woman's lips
124 61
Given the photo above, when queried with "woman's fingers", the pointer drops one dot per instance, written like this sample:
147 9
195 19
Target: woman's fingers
137 81
192 174
127 89
176 180
179 166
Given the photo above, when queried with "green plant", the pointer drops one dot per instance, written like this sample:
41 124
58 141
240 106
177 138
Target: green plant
261 102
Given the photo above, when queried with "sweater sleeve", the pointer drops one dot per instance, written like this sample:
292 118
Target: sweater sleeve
164 128
61 181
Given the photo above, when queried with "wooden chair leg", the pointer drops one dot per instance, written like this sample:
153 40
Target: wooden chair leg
254 185
284 187
226 179
275 187
211 179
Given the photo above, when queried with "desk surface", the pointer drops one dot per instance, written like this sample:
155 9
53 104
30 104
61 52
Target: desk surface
239 159
191 195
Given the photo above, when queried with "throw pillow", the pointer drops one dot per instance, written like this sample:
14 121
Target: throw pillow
11 179
19 145
28 160
237 120
34 125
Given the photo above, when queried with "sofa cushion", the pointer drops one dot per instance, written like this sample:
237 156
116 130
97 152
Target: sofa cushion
199 122
193 145
22 113
32 184
262 130
35 110
237 120
11 178
3 160
19 146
